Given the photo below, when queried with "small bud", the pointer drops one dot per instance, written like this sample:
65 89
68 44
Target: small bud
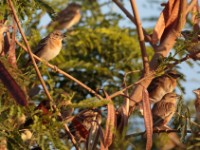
26 135
21 119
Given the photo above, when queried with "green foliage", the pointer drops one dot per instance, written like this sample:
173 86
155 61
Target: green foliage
90 103
46 7
106 53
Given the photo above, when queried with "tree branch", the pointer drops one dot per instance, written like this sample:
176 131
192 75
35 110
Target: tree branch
62 72
126 12
191 5
29 50
157 131
141 37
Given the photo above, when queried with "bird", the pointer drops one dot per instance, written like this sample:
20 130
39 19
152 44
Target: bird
197 103
45 113
163 110
86 121
163 84
192 43
66 18
49 47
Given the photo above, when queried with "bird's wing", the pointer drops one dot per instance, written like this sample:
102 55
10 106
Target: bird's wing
170 108
197 105
154 84
66 15
162 110
167 109
36 51
41 45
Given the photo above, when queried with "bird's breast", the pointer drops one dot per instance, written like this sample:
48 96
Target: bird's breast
51 50
74 21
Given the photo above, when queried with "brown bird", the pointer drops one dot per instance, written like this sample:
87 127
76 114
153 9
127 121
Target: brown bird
85 124
163 110
46 113
67 18
162 85
197 103
49 47
192 43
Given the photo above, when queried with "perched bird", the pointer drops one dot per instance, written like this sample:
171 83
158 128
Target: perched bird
163 110
49 47
197 103
45 113
67 18
192 43
162 85
86 124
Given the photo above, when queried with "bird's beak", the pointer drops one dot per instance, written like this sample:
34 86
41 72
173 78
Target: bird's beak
195 91
178 96
64 36
182 35
178 75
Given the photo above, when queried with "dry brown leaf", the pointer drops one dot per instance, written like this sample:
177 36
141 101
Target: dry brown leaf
173 14
94 133
12 86
102 139
195 17
167 17
173 31
147 118
93 138
110 122
123 113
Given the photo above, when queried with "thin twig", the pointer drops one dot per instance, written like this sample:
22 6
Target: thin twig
141 37
67 130
121 92
29 50
192 122
62 72
126 12
188 56
71 137
191 5
157 131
